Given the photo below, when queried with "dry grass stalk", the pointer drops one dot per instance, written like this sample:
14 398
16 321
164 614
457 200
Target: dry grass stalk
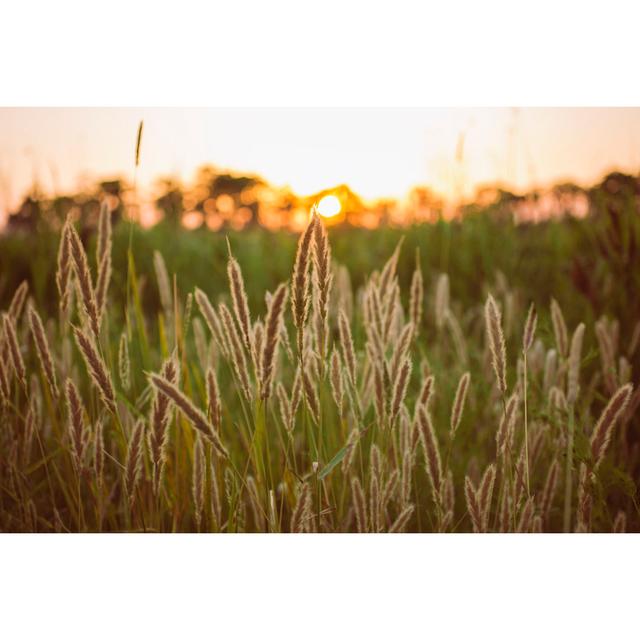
607 355
402 520
164 285
388 274
473 506
559 328
302 510
284 406
103 256
504 434
390 490
603 430
133 462
372 310
64 270
124 364
322 280
392 311
550 368
374 504
296 392
529 328
448 493
557 401
506 511
198 481
104 242
158 436
213 322
573 371
426 392
17 302
188 312
442 300
401 349
375 462
399 390
30 420
526 517
300 283
352 443
273 332
96 368
485 493
5 382
240 300
406 477
359 505
99 454
311 396
520 484
459 343
348 351
201 342
238 359
214 405
216 504
257 343
335 379
380 396
585 499
495 336
14 349
549 491
192 413
431 452
102 284
416 296
458 403
78 433
42 348
83 279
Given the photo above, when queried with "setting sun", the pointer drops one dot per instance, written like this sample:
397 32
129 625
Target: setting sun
329 206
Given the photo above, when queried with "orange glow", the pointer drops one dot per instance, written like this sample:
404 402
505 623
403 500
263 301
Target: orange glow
329 206
419 158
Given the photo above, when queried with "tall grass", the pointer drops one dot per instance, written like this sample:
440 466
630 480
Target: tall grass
389 406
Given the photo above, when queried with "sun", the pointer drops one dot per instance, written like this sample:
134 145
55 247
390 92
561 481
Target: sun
329 206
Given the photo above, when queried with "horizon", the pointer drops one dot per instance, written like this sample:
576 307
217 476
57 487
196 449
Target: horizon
378 153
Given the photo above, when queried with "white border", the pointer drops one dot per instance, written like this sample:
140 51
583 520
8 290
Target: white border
333 53
340 586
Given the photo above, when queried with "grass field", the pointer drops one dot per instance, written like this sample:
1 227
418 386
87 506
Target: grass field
464 376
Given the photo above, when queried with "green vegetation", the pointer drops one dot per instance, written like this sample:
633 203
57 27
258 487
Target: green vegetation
93 443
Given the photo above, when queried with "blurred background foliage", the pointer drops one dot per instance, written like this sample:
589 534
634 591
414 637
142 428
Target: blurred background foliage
579 245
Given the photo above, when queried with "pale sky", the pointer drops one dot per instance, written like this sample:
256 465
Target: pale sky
378 152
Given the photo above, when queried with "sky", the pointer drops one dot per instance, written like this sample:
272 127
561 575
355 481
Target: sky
377 152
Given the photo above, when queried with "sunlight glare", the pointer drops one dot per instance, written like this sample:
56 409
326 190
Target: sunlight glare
329 206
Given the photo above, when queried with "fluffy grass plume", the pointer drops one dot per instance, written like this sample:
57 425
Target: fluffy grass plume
300 283
193 414
603 430
42 347
495 336
83 278
96 368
